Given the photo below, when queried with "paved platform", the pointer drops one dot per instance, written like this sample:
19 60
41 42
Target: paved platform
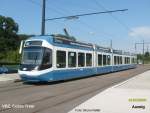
131 96
9 77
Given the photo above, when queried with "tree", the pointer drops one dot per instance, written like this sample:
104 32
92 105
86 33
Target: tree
8 25
8 35
146 54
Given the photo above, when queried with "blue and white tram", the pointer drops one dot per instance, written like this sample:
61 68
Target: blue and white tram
54 58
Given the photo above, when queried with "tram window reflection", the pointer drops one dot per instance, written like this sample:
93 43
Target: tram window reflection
61 59
81 59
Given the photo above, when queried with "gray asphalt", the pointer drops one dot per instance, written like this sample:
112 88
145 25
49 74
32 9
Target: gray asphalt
59 97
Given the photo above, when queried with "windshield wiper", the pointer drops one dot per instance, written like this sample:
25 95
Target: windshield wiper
35 59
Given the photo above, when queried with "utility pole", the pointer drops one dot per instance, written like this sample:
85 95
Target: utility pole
111 50
43 18
143 51
143 43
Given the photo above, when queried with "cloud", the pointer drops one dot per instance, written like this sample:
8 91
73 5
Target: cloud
140 32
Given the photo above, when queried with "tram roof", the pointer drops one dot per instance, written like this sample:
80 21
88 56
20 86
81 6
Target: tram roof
61 40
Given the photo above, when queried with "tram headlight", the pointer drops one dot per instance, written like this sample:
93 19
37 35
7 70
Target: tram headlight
36 68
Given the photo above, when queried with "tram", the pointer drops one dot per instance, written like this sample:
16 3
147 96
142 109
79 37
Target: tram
54 57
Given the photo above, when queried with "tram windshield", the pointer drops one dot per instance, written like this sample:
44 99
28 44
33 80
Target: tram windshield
32 56
36 58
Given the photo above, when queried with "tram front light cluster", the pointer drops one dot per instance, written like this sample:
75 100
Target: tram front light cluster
36 68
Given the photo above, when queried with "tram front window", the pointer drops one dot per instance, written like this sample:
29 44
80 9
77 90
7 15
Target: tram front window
36 58
32 56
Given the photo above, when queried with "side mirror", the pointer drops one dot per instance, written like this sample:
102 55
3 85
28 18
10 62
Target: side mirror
21 46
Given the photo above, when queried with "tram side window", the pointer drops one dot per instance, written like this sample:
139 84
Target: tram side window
108 59
88 59
81 59
115 60
104 60
71 59
128 60
125 60
47 59
61 59
132 60
99 60
120 59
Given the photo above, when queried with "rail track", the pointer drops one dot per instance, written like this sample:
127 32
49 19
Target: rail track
51 97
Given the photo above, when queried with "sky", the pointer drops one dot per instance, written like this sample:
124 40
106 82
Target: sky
123 28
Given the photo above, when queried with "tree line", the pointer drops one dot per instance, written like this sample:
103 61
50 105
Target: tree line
145 58
10 40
